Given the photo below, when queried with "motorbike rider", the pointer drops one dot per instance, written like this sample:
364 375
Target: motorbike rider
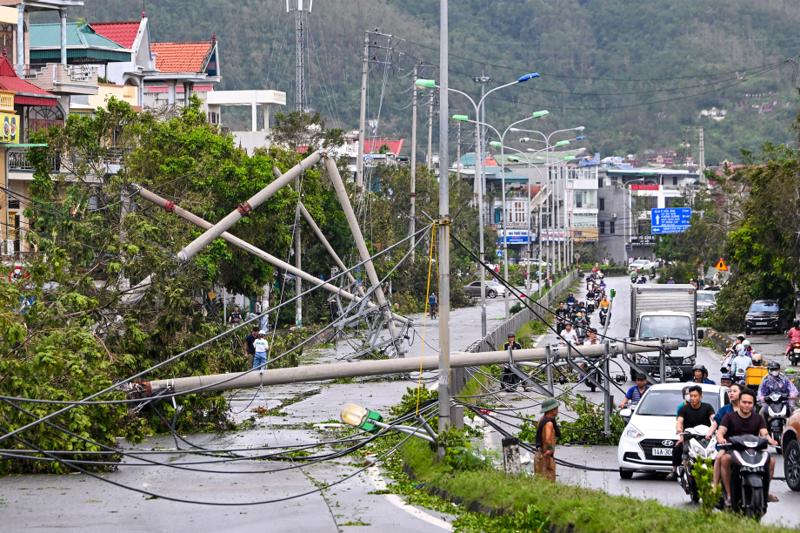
734 391
756 373
725 380
571 301
700 375
793 334
740 363
730 353
562 315
693 413
742 421
775 382
642 280
569 335
636 392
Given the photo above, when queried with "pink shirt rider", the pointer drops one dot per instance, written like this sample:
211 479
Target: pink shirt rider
794 335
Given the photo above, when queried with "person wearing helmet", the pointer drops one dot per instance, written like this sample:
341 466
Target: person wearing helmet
726 380
756 372
700 375
740 363
793 334
261 346
775 382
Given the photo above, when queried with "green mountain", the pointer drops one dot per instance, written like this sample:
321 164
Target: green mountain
636 74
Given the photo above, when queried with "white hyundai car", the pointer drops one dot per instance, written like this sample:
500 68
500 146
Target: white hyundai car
647 441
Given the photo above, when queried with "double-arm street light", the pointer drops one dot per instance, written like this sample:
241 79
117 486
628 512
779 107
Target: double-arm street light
546 138
431 84
528 159
536 114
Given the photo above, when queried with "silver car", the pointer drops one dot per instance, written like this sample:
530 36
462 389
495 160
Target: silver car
493 289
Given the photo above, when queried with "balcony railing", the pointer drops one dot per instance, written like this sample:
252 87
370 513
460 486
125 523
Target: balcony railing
18 161
78 79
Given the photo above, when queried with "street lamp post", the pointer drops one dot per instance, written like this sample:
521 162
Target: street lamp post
431 84
529 217
559 248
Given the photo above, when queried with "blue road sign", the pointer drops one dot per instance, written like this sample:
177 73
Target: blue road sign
670 220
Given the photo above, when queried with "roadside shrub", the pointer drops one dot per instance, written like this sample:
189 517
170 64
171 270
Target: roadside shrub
732 303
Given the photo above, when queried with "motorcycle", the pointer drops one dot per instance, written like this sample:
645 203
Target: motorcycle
603 315
695 446
749 474
794 353
777 413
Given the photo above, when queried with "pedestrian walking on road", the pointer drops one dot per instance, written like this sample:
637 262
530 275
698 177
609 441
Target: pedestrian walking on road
547 435
261 346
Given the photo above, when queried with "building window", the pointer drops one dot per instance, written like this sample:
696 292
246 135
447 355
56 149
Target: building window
599 183
602 204
13 203
601 225
611 226
674 180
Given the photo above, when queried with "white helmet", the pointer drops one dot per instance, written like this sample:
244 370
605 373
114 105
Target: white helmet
262 332
745 343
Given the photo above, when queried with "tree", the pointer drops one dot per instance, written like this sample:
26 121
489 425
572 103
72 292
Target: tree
69 330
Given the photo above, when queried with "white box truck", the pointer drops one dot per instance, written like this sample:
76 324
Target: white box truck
666 311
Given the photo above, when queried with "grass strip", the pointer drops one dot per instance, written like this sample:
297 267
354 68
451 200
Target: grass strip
565 507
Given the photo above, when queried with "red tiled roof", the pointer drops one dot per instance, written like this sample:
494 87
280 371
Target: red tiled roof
373 146
181 57
32 95
122 33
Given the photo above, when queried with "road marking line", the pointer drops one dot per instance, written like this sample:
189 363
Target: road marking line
380 484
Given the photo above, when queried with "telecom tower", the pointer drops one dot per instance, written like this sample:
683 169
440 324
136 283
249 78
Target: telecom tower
301 9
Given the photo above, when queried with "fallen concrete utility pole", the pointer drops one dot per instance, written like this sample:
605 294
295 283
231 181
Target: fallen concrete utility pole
321 237
300 374
361 246
191 249
246 246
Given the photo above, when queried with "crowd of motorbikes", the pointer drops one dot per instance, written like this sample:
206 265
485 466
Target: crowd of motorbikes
578 313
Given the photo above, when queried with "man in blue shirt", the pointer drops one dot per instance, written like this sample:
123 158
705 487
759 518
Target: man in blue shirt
636 392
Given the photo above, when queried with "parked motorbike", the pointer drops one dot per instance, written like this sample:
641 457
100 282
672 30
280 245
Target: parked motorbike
603 315
794 353
777 413
749 474
695 447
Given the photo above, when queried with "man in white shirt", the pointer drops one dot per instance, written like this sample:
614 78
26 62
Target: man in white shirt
739 364
569 335
261 346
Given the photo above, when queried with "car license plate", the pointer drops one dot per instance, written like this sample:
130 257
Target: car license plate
662 452
761 323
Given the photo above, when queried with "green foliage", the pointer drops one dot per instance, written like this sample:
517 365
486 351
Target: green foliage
531 519
733 301
618 83
413 398
76 333
703 473
588 426
565 507
458 452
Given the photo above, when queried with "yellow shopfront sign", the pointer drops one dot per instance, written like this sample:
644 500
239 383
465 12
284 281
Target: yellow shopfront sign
9 132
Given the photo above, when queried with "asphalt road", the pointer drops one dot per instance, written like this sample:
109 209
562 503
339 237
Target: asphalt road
78 502
785 512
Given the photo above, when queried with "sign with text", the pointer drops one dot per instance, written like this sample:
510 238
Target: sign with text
670 220
513 236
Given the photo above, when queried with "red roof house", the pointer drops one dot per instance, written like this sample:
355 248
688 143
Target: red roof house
373 146
123 33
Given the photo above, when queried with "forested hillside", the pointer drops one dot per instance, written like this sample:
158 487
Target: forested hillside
635 73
